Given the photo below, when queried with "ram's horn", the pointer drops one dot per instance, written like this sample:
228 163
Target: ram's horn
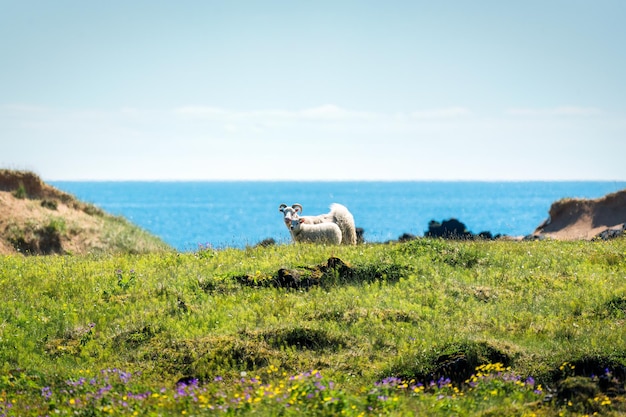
282 207
297 206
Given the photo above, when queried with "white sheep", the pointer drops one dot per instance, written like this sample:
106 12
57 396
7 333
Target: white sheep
328 232
338 215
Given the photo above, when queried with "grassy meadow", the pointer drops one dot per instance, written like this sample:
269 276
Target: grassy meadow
426 327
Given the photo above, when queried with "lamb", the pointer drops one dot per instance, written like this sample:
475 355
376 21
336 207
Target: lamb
338 215
328 233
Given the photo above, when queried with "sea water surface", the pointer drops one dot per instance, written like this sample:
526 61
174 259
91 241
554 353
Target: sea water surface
189 215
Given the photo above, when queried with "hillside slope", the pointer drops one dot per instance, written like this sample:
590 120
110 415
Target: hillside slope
38 219
573 219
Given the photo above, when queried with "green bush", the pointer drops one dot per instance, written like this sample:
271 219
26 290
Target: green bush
20 192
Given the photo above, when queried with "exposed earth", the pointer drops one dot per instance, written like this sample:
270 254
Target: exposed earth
38 219
576 219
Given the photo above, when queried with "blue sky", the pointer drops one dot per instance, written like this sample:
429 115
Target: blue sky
326 90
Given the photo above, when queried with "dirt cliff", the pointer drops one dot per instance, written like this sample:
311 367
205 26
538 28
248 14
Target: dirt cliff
38 219
572 219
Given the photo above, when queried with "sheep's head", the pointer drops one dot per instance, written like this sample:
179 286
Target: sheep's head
290 213
295 223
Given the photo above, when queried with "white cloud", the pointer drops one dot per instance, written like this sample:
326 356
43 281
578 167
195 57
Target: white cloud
562 111
327 117
324 112
330 112
22 108
205 142
202 112
443 113
576 111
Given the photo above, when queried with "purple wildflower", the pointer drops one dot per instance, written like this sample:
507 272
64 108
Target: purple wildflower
46 392
125 376
443 382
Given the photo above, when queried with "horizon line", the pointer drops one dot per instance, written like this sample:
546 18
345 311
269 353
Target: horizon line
331 180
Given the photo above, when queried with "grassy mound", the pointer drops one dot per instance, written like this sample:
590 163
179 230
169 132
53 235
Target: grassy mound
426 327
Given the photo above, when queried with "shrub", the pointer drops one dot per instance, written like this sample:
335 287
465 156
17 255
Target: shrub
20 192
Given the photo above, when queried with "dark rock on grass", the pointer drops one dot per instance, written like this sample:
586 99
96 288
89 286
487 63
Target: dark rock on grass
292 278
333 272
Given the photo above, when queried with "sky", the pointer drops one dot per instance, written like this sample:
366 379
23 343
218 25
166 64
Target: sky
314 90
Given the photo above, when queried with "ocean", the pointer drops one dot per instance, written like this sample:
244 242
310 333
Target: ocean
195 214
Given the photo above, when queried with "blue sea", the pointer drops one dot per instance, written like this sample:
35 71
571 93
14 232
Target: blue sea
190 215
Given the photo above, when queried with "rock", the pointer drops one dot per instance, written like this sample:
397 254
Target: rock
612 233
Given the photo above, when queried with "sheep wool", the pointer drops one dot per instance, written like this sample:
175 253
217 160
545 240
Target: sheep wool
328 233
338 215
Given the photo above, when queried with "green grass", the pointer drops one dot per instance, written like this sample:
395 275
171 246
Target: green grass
121 236
254 330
